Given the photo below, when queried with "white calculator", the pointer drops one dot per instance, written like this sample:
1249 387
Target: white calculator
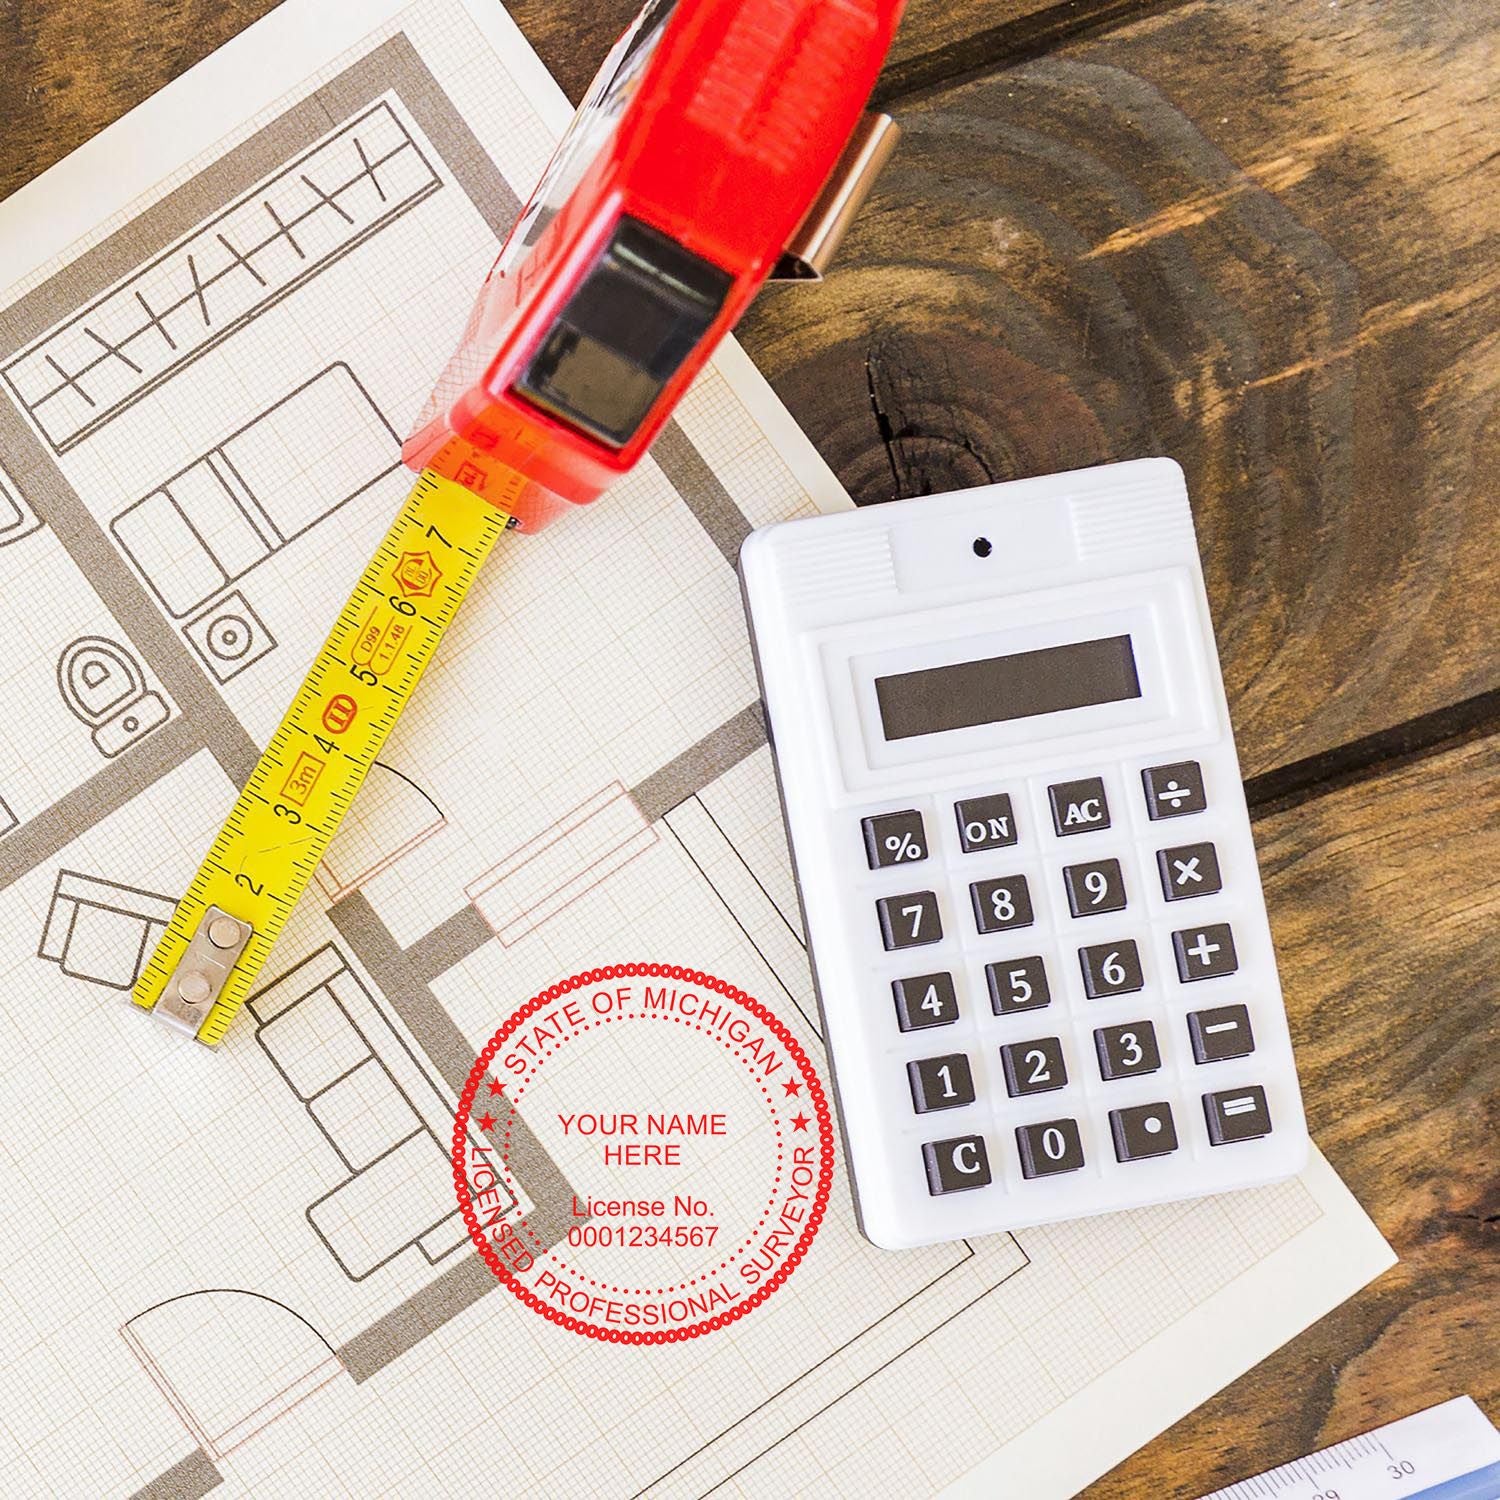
1025 863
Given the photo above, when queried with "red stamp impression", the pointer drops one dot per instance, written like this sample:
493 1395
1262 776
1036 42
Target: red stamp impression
643 1153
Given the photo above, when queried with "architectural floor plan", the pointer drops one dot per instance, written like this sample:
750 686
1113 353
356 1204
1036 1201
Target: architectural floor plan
202 390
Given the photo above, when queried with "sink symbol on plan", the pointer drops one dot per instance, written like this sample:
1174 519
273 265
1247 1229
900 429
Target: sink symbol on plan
104 686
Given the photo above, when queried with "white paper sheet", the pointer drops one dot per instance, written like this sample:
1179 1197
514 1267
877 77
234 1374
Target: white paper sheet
186 1298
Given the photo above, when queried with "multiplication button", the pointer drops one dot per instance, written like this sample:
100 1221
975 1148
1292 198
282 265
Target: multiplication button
896 838
1189 870
954 1166
985 823
1237 1115
925 1000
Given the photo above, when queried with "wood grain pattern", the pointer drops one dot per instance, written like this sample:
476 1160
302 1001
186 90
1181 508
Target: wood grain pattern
1258 238
1385 905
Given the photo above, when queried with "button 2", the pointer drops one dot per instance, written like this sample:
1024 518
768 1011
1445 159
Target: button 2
1095 887
1079 806
1221 1034
1237 1115
909 921
1127 1051
1174 791
1053 1146
1189 870
896 838
1204 952
1145 1130
1111 969
1001 904
926 1000
1017 984
940 1082
955 1165
985 823
1033 1067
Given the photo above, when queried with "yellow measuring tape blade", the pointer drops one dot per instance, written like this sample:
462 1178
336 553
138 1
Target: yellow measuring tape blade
302 785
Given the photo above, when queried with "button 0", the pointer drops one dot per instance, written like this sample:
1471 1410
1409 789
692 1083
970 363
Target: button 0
985 823
955 1165
1237 1115
896 838
1218 1035
1189 870
1053 1146
1174 790
1204 952
1079 806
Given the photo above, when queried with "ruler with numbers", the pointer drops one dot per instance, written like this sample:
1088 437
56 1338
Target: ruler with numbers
1448 1452
297 795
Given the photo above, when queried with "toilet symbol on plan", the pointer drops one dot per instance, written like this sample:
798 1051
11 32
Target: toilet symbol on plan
105 686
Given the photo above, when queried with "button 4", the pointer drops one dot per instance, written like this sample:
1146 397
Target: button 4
925 1000
955 1165
1079 806
1188 870
896 838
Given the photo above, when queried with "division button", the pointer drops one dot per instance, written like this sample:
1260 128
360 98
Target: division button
909 921
1142 1131
1095 887
1204 952
1237 1115
953 1166
985 823
1111 969
1053 1146
1033 1067
1017 984
1174 791
925 1000
1221 1034
1001 904
940 1082
896 838
1079 806
1189 870
1127 1051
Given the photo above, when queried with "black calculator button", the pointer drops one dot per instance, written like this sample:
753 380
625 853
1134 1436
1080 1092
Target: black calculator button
1111 969
940 1082
909 921
896 838
985 823
1017 984
1143 1130
1094 887
1079 806
1221 1034
1174 791
1237 1115
1001 904
926 1000
1204 952
1126 1051
955 1165
1189 870
1052 1146
1033 1067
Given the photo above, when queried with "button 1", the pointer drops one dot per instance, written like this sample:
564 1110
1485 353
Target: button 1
1174 791
1218 1035
1142 1131
1052 1146
1001 904
1017 984
909 921
955 1165
1237 1115
985 823
1188 870
926 1000
1126 1051
896 838
1095 887
1204 952
1079 806
940 1082
1033 1067
1111 969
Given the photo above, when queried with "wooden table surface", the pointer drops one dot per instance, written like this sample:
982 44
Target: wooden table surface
1261 236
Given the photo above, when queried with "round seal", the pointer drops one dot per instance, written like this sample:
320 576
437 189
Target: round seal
643 1153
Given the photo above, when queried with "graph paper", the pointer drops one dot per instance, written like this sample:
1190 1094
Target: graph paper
244 1271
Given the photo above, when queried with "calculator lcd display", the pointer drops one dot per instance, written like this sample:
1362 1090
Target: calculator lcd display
969 693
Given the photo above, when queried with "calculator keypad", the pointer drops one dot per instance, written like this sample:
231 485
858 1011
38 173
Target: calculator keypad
1237 1115
955 1165
1174 791
1218 1035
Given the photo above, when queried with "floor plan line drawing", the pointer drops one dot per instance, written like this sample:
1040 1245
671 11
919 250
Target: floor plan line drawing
100 930
229 636
250 276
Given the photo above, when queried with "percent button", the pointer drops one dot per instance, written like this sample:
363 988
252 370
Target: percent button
895 838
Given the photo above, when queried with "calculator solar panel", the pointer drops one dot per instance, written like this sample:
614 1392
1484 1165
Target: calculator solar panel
1030 889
